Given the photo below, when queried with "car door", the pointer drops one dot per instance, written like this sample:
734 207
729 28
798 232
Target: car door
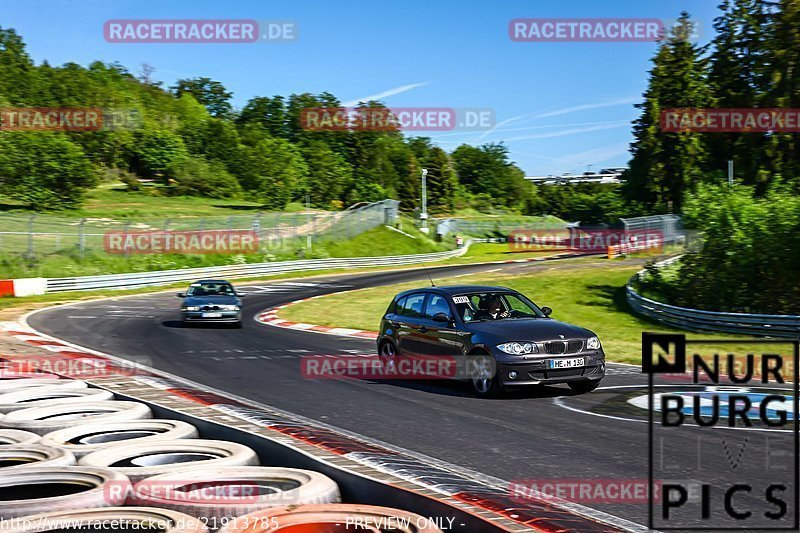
407 322
440 338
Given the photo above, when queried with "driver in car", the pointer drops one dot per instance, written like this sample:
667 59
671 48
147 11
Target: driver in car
493 309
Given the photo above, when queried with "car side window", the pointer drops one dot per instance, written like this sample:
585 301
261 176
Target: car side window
397 308
436 304
412 305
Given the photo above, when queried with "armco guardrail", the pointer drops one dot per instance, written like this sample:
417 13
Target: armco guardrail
697 320
165 277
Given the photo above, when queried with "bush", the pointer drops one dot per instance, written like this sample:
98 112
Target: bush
749 260
198 177
45 170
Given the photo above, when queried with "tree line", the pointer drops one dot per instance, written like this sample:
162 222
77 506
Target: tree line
749 259
189 139
753 61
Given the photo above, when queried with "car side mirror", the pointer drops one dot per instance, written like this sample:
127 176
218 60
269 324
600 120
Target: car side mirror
441 317
547 311
181 295
240 295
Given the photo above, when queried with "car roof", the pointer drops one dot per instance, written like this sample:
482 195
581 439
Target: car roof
450 290
213 281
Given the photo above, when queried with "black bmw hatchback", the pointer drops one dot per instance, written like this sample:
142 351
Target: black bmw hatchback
497 337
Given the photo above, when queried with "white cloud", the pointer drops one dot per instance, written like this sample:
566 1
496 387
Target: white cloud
584 107
384 94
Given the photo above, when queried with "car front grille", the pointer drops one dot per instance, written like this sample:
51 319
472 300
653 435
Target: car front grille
563 347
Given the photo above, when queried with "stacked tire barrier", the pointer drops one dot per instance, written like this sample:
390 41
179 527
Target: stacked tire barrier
74 457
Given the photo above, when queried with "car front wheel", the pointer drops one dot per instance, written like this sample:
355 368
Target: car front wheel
388 356
484 377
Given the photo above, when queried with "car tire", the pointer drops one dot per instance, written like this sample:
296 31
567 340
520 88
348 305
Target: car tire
43 396
9 384
87 438
139 461
387 354
237 325
582 387
50 418
89 519
18 456
483 376
43 489
289 486
322 517
17 436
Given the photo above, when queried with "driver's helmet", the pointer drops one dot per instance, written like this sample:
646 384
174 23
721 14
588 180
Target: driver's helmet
491 304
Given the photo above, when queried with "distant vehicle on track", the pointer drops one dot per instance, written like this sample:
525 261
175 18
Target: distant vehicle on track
211 300
497 337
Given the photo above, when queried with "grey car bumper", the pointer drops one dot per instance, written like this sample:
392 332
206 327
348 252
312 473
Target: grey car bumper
537 372
225 316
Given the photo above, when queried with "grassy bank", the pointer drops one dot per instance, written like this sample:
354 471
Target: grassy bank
374 242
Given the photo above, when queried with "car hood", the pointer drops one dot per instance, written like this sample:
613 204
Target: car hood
213 300
535 329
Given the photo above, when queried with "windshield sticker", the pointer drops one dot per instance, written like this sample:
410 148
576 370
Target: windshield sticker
461 299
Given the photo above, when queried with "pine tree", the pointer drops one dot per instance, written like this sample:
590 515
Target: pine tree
667 164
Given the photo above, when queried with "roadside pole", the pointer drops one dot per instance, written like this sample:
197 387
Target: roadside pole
423 216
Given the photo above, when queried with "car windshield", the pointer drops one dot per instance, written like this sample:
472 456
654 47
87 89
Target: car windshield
478 306
211 289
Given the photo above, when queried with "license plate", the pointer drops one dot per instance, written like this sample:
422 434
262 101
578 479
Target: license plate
565 363
212 315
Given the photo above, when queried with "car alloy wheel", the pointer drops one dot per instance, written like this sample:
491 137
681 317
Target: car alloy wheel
483 377
388 357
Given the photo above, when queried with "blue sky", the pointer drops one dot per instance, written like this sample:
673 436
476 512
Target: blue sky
560 107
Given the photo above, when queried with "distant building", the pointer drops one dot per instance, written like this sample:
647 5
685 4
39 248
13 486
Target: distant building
605 176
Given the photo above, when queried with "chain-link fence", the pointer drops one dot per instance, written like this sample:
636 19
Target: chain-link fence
42 234
494 228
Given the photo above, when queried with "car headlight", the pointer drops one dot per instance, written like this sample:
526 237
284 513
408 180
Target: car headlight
190 308
229 307
592 343
518 348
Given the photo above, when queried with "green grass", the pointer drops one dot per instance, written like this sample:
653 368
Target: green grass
587 293
375 242
114 201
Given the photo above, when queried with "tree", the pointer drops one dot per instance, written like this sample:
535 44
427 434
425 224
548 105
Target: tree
272 171
44 170
156 151
17 71
328 173
665 165
738 76
212 94
487 170
269 112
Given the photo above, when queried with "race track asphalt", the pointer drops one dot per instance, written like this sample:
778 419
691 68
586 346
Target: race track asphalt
542 433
